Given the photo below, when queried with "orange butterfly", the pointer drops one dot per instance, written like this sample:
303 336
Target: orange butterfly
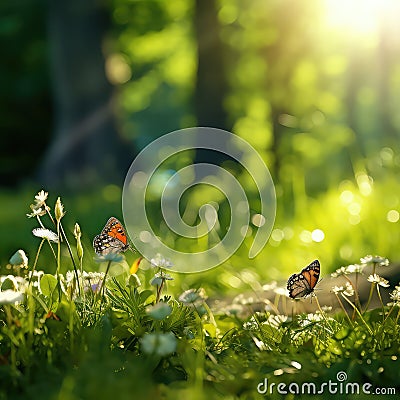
112 238
303 284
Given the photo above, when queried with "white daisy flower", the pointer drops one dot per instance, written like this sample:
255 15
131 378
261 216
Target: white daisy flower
41 198
160 344
159 277
395 296
193 296
11 297
275 320
160 262
19 258
45 234
375 278
377 260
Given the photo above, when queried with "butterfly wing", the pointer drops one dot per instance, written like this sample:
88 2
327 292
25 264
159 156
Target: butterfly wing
300 285
104 244
115 229
111 239
311 273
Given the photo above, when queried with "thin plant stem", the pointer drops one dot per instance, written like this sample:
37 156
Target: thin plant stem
356 296
388 314
72 257
47 208
380 298
397 317
52 250
36 259
102 287
272 305
58 261
199 362
371 291
359 314
210 314
159 290
344 310
40 222
322 312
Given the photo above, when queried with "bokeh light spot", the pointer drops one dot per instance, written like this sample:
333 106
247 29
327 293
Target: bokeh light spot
317 235
346 197
258 220
393 216
306 237
354 208
111 193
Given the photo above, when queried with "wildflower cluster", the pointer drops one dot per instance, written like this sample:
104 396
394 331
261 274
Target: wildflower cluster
351 285
395 297
121 304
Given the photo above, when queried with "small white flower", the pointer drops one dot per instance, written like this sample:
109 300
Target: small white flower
355 268
270 286
19 258
159 311
310 318
281 291
243 300
395 296
275 320
347 290
250 325
340 271
193 296
17 283
160 344
160 262
338 289
41 198
377 260
35 276
45 234
36 212
111 256
89 281
233 309
159 277
11 297
375 278
349 269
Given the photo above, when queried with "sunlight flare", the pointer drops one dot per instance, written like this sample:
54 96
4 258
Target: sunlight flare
361 17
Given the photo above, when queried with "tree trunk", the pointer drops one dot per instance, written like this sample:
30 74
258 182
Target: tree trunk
211 83
85 149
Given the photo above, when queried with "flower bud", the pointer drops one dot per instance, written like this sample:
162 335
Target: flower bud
59 210
19 258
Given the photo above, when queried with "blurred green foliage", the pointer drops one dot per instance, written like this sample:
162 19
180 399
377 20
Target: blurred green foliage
25 95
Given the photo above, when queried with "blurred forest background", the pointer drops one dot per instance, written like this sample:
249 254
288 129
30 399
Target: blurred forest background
313 85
